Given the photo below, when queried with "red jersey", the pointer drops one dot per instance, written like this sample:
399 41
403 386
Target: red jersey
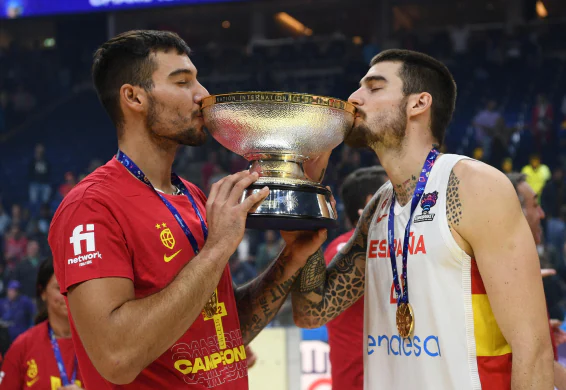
30 362
113 225
346 335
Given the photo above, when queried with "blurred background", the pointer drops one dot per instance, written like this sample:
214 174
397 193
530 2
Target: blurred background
508 58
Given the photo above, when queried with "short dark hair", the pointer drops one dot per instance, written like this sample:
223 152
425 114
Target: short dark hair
125 59
516 179
356 188
422 73
44 275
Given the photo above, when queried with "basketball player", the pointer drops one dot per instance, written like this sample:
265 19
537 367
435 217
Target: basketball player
141 254
443 253
534 214
346 332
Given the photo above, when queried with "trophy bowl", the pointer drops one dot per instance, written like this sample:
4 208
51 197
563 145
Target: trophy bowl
277 132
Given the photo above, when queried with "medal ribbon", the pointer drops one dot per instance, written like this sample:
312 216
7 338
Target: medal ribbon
59 360
176 181
419 190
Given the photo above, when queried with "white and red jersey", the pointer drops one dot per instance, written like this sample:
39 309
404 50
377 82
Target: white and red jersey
456 343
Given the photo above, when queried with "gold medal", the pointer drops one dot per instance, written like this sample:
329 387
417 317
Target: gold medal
210 307
405 320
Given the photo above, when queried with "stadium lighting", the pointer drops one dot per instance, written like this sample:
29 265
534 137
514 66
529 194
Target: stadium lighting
292 23
49 42
541 9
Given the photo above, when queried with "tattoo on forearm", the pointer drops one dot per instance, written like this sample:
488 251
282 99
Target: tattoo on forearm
259 300
313 273
338 286
453 204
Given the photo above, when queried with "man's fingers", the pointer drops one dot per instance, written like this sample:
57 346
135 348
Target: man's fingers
214 191
251 203
240 186
228 184
547 272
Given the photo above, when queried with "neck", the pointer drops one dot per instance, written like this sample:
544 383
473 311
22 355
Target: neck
403 166
154 157
60 325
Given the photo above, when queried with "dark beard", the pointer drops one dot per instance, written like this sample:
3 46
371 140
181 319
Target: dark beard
190 136
383 131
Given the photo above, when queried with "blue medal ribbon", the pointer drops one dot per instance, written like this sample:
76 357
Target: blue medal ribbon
177 182
59 359
419 190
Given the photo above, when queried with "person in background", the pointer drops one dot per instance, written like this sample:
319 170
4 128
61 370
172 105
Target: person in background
39 176
346 332
553 200
485 123
5 220
15 244
534 214
241 271
33 359
67 185
507 165
537 174
542 119
16 310
267 251
26 270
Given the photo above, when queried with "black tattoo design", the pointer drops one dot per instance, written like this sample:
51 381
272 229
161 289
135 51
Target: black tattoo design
312 274
404 192
259 301
341 284
453 204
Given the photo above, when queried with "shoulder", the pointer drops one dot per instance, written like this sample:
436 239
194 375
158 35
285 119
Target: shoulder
481 195
195 191
101 188
30 337
480 179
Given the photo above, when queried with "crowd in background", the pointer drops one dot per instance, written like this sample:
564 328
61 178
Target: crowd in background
491 124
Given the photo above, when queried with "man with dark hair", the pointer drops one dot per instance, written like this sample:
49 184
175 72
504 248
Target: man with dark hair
466 256
534 214
142 255
346 332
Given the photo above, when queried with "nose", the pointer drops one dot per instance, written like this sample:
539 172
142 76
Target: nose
200 94
355 98
541 212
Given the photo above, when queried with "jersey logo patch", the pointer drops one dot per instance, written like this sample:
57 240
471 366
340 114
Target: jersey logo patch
428 201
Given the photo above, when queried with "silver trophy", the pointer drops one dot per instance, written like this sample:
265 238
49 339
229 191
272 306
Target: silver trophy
277 132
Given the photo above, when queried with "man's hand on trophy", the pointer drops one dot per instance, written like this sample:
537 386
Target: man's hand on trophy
300 245
315 167
225 215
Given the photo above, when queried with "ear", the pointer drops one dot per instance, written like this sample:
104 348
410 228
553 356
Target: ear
419 104
43 296
134 98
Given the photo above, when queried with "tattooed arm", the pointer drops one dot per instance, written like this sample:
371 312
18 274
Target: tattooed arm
321 293
259 300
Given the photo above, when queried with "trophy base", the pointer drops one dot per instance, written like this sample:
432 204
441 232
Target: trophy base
292 207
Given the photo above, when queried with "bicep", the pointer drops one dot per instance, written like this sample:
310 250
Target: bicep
504 249
92 304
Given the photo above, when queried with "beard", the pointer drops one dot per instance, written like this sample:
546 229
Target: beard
173 125
386 129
